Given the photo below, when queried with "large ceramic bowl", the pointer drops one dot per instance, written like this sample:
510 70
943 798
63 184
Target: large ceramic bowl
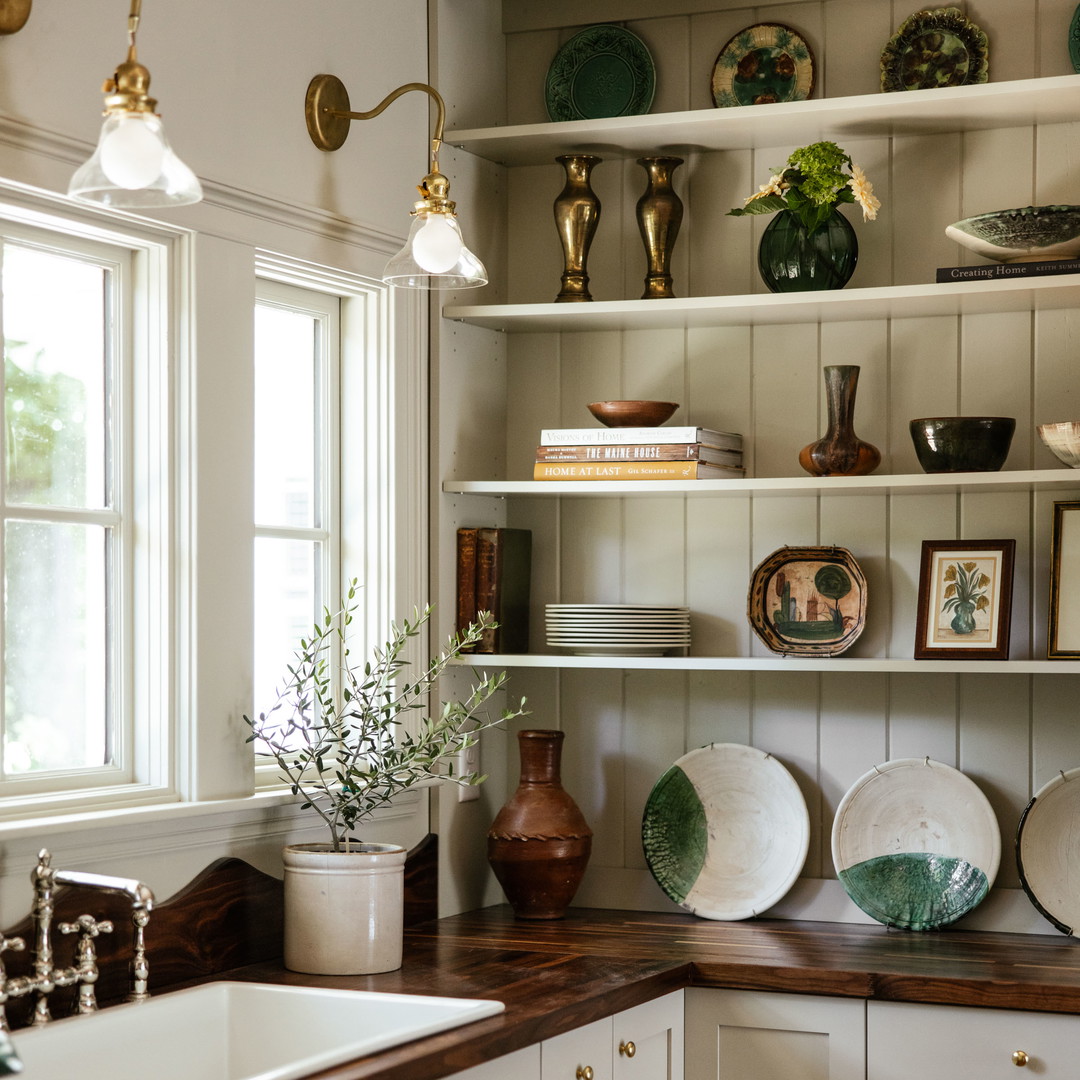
632 413
1028 234
962 443
1063 440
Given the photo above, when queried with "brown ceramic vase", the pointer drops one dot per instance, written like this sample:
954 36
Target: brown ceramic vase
539 842
840 452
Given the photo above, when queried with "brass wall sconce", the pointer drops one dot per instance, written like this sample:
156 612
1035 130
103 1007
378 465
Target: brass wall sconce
133 165
434 255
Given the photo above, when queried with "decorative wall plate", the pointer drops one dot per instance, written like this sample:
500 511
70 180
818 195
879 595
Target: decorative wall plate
808 601
1074 39
763 64
941 47
601 71
726 831
1048 851
916 844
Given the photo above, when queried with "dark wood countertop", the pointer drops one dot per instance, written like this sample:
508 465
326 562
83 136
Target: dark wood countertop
556 976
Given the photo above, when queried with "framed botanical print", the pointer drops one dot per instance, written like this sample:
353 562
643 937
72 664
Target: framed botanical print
1063 639
965 600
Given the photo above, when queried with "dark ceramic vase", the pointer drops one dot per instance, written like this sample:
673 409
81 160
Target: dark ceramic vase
840 452
962 443
539 842
792 260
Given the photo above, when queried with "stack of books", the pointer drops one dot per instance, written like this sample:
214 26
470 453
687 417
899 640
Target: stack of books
638 453
493 572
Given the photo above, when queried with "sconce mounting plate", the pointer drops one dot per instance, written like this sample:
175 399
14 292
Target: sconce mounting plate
13 15
326 94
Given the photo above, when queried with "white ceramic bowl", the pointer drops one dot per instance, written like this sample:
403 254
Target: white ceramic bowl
1063 440
1026 234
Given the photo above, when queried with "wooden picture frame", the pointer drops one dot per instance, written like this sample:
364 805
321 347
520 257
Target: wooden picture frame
1063 636
965 600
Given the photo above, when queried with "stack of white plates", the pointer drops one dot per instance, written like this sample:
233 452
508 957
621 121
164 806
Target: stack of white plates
618 629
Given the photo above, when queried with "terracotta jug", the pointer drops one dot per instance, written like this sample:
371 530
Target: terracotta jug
539 842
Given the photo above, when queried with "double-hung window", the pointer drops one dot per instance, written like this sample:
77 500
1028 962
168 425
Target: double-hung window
74 530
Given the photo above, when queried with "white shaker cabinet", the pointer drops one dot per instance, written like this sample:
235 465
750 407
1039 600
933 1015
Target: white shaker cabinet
749 1035
942 1042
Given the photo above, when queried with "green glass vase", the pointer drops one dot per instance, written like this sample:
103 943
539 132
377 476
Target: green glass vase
791 260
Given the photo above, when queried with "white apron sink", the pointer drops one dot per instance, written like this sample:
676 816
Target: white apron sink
236 1031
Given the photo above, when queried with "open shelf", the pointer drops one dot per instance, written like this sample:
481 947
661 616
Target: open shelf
960 108
784 486
775 663
757 309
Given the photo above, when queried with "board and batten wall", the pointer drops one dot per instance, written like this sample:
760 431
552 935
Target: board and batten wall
1010 733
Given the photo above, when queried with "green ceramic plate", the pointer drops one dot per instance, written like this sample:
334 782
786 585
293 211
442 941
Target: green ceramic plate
602 71
1074 40
761 65
916 844
932 49
726 831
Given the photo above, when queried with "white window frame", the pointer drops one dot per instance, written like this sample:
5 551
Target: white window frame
142 260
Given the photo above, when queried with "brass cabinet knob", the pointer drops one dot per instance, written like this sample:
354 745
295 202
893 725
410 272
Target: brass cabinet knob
1020 1058
584 1072
627 1049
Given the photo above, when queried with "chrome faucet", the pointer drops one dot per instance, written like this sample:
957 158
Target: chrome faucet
46 976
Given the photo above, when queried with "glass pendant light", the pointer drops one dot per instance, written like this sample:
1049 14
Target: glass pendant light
133 165
434 255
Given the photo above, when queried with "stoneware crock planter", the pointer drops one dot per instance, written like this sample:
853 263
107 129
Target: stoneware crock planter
344 910
539 842
792 260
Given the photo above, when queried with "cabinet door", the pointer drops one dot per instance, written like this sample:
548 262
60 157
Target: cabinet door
944 1042
581 1054
647 1040
520 1065
747 1035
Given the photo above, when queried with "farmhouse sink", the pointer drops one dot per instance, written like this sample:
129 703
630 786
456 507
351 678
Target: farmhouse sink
236 1031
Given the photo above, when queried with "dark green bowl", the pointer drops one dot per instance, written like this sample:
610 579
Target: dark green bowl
962 443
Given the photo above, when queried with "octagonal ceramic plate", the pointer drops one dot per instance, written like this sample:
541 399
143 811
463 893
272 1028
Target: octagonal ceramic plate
1048 851
726 831
916 844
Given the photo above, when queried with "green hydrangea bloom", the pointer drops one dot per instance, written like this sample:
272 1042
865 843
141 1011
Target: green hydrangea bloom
820 171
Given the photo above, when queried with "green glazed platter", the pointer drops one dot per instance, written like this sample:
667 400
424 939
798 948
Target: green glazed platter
601 71
726 831
762 65
916 844
935 48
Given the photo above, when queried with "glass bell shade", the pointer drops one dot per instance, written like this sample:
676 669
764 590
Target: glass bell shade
435 257
134 167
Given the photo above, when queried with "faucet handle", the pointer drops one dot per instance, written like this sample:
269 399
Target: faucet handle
87 926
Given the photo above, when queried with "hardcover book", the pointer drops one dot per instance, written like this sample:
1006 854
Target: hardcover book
642 452
722 440
997 271
633 470
493 574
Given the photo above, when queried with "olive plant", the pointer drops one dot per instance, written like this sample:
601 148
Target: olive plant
343 745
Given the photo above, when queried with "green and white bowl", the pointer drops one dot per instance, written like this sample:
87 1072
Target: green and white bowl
1027 234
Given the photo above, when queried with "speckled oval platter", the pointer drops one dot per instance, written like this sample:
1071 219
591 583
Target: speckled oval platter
1025 234
761 65
601 71
726 831
1048 851
932 49
916 844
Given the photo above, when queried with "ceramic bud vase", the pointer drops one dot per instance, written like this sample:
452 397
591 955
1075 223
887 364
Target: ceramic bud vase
659 215
344 910
577 212
840 452
539 843
792 260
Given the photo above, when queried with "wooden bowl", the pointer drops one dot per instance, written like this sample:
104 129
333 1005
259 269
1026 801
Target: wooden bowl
632 413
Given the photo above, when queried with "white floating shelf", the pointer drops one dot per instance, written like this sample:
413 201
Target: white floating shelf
757 309
1018 103
774 663
1053 480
